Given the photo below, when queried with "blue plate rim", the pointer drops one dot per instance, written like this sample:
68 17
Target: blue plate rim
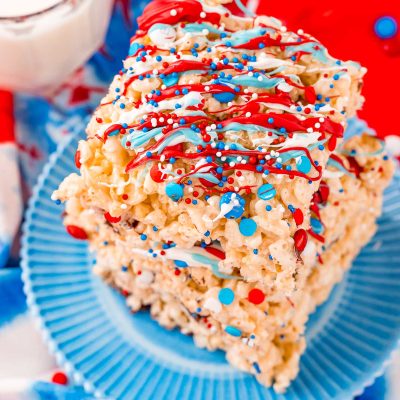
387 354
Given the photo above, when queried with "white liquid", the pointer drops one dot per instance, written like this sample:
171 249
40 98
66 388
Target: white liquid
41 52
17 8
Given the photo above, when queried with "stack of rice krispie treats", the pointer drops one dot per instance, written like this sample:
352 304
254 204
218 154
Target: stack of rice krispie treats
215 185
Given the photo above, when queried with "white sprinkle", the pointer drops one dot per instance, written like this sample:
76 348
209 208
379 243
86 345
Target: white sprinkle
205 31
162 158
173 13
203 14
175 125
310 130
255 96
300 32
317 125
223 158
283 29
230 104
163 87
208 128
250 73
279 159
124 206
321 119
237 188
213 126
239 158
248 114
207 88
155 71
170 121
260 78
232 164
243 162
154 122
161 119
246 90
218 154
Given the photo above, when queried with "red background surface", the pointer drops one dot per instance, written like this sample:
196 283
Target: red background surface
346 27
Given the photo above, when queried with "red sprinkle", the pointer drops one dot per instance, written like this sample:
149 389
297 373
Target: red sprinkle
298 216
60 378
300 240
76 232
78 159
256 296
110 218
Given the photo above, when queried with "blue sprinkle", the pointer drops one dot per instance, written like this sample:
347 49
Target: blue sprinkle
122 105
58 202
247 227
303 164
124 268
143 236
270 120
255 251
256 367
316 225
226 296
268 208
224 97
266 191
207 233
158 58
174 191
180 264
385 27
148 154
231 330
185 90
336 77
238 210
155 229
321 147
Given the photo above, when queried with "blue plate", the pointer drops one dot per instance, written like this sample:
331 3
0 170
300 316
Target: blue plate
122 356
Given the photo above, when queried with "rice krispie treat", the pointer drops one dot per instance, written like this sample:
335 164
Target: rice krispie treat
211 181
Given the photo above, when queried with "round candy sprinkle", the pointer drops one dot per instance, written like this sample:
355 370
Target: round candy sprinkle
226 296
236 201
60 378
298 216
224 97
303 164
256 296
233 331
180 264
385 27
316 225
300 240
174 191
247 227
266 192
76 232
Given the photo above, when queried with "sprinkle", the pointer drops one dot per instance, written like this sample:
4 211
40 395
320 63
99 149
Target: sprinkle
247 227
173 12
303 164
231 330
226 296
266 192
174 191
256 296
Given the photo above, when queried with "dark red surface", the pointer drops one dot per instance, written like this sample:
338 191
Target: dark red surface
346 27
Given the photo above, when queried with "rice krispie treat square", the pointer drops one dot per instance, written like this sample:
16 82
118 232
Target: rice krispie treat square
207 178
